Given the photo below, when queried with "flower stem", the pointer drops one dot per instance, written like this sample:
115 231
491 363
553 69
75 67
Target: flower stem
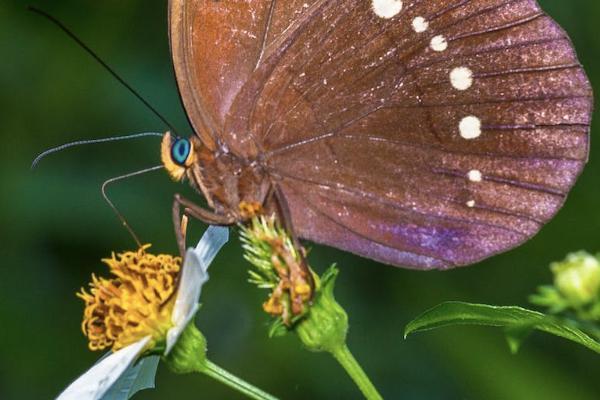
348 362
214 371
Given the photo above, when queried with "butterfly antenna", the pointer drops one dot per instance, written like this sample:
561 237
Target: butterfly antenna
112 205
99 60
43 154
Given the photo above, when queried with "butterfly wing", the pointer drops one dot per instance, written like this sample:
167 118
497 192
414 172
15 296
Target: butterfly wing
419 133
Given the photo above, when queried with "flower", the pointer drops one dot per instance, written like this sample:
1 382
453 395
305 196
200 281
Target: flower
140 311
136 303
269 248
300 301
320 322
578 278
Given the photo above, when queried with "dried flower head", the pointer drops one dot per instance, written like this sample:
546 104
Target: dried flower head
278 267
137 302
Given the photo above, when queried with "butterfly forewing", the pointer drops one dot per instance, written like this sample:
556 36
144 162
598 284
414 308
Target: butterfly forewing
216 46
418 133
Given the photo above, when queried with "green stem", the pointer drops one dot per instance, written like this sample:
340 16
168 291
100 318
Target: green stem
218 373
346 359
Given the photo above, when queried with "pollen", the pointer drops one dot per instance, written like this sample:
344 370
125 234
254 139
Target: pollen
137 301
249 210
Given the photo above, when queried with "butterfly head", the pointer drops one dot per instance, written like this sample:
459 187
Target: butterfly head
177 155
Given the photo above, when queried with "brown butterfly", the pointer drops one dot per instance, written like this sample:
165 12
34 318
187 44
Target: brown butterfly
425 134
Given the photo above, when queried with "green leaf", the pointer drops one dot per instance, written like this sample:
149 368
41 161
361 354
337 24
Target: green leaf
516 320
138 377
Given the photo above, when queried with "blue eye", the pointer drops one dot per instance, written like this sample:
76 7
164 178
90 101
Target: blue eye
180 151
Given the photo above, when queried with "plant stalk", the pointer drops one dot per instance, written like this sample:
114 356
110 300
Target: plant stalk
343 355
214 371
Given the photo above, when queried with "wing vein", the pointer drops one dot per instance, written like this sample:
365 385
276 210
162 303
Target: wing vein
377 199
265 35
369 239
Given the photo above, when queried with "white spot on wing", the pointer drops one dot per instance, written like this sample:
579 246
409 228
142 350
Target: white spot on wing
420 24
461 78
471 203
439 43
470 127
387 8
475 175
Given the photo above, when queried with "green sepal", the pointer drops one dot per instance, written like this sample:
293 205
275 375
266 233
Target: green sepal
548 296
325 326
189 353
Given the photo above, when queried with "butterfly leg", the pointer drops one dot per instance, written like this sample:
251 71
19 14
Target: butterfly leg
193 210
302 271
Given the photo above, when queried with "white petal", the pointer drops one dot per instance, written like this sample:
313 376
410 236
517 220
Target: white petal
93 384
193 276
211 242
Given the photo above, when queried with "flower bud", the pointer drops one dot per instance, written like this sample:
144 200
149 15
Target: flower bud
577 278
325 326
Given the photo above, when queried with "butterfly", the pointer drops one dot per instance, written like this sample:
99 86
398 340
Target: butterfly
425 134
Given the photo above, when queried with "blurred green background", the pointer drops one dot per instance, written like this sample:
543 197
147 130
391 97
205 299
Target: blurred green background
55 227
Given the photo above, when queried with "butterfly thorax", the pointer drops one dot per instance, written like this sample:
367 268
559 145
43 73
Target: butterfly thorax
231 184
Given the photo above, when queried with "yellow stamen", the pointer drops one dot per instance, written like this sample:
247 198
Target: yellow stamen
135 303
303 289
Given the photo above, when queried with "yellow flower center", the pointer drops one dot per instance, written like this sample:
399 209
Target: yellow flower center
135 303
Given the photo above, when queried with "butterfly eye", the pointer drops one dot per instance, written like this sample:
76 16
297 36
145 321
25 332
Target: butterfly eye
180 151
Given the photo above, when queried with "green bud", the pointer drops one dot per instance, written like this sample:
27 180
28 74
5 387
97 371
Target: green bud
325 326
577 278
189 353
